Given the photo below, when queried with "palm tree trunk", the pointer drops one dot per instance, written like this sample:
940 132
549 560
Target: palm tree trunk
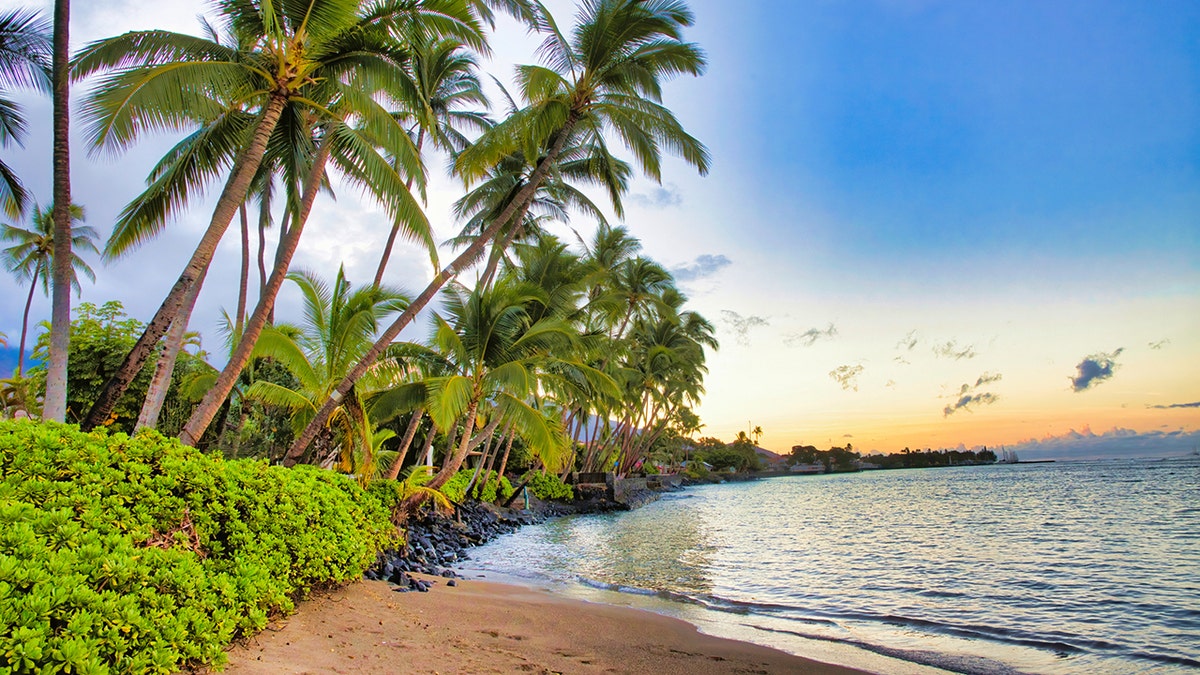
453 462
54 406
402 451
499 249
427 450
391 240
507 450
37 270
468 257
156 394
451 441
233 194
244 281
264 217
284 223
204 412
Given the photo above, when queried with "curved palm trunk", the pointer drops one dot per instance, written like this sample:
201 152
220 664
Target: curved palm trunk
37 270
208 407
156 394
264 217
54 406
460 263
283 230
387 249
402 451
231 197
507 450
244 280
499 249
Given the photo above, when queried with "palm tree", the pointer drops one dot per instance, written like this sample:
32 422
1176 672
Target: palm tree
496 351
340 323
606 77
443 83
24 62
306 53
30 258
54 406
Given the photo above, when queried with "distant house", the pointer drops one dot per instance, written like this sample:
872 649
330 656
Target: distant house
771 460
813 468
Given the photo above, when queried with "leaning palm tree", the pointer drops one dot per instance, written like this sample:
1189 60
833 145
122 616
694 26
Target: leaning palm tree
443 91
24 62
605 78
30 258
305 53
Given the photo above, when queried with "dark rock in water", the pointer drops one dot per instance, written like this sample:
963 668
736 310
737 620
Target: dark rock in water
448 573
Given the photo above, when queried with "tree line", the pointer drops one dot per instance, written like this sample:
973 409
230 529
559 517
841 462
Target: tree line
550 342
848 459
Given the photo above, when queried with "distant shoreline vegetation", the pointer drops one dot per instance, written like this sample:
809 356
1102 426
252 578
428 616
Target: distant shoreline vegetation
847 459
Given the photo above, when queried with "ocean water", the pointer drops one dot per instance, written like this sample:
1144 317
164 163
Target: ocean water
1070 567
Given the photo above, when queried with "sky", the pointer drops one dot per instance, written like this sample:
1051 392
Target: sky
928 222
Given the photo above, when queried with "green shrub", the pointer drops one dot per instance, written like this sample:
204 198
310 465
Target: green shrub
486 489
548 486
491 487
122 554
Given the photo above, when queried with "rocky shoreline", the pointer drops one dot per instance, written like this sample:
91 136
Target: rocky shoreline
436 542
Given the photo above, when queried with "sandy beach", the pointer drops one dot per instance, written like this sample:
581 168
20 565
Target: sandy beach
484 627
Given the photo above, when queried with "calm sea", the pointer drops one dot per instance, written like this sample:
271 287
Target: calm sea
1050 568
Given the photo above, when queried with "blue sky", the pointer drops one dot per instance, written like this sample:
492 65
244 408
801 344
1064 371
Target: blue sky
908 197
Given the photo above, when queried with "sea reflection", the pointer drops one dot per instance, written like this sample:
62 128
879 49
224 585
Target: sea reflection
1063 568
666 545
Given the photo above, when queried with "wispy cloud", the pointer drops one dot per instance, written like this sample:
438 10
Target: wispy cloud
810 336
1160 344
988 378
664 197
1094 369
847 376
1172 406
908 342
742 325
969 396
951 350
902 361
703 266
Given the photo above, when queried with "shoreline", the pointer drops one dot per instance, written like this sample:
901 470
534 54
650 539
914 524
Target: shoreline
481 626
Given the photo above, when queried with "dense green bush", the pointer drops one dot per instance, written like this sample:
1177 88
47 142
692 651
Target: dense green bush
100 339
486 489
548 486
122 554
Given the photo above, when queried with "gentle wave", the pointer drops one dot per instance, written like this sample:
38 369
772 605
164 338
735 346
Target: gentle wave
1067 568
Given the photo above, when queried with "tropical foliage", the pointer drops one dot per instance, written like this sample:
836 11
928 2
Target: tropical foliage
552 359
122 554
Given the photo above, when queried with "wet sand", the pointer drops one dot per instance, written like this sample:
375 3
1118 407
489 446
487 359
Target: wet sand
484 627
